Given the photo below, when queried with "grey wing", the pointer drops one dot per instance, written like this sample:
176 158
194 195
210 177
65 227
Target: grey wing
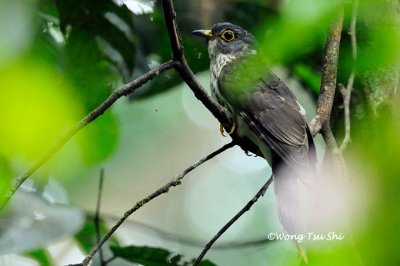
273 113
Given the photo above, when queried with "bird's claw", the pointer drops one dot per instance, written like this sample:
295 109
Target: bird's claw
222 130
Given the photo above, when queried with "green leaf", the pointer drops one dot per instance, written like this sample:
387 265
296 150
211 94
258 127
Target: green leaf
6 177
102 19
93 78
151 256
310 77
147 256
88 69
41 256
99 139
207 263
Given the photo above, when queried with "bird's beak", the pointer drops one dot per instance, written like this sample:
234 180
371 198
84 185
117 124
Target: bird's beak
203 33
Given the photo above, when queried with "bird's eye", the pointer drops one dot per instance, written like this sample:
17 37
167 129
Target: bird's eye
228 35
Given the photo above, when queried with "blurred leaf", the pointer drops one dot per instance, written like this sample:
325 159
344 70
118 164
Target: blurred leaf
250 14
308 76
301 28
150 256
378 145
101 19
207 263
137 6
91 74
146 256
16 28
151 28
99 139
381 49
6 177
93 77
48 8
36 109
41 256
86 237
31 222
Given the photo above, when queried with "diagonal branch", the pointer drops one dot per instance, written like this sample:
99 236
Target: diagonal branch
117 94
176 181
247 207
188 76
183 68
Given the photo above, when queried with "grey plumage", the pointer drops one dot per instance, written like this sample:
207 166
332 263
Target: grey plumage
267 113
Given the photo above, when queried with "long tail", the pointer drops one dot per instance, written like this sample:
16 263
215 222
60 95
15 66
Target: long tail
289 203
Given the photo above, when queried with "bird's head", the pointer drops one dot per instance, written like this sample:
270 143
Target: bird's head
229 39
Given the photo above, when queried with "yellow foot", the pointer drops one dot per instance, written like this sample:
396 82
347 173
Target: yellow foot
233 128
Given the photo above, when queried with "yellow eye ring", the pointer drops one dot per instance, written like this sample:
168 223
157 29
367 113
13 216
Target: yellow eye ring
228 35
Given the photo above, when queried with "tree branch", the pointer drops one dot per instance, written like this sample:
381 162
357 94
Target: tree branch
176 181
123 91
247 207
188 76
321 121
182 67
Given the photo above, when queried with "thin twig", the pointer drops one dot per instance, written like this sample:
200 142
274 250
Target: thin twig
346 92
123 91
97 215
353 29
190 241
260 193
162 190
110 260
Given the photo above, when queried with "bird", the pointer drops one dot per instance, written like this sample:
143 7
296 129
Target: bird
265 112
